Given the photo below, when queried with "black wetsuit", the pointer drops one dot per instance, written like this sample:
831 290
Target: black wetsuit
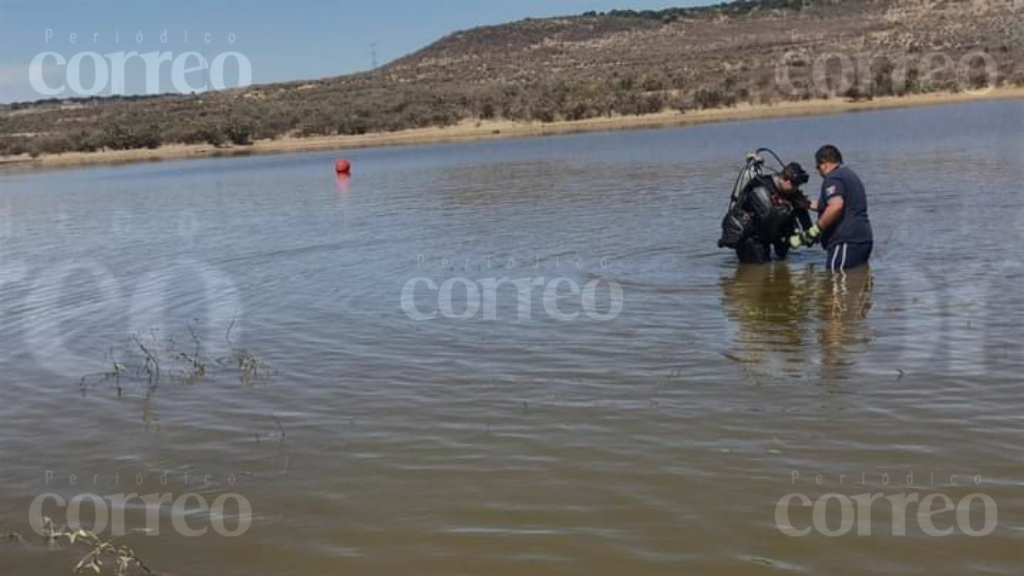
774 221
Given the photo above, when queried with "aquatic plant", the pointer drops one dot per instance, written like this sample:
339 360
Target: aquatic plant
250 366
148 360
101 554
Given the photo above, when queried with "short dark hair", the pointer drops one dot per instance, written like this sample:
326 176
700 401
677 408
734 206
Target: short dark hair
828 153
795 173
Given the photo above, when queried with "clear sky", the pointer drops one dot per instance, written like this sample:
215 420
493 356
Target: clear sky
282 39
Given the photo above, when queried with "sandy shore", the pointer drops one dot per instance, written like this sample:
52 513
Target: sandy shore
488 130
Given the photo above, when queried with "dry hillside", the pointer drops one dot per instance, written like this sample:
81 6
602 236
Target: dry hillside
596 64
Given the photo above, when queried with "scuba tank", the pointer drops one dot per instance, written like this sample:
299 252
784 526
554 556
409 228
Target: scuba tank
738 223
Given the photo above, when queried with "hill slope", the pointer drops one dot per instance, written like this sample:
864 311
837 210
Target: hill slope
572 68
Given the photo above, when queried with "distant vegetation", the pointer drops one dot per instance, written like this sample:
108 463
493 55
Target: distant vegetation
738 8
571 68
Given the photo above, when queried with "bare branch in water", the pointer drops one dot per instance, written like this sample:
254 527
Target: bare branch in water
124 559
154 359
152 366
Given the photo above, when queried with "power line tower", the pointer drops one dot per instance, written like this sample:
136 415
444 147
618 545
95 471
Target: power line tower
373 55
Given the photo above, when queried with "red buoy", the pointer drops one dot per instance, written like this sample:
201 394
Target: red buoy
343 166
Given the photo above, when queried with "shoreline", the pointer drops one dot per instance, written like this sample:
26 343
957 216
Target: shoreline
472 131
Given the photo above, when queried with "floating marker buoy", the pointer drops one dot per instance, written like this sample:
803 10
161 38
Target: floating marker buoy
343 166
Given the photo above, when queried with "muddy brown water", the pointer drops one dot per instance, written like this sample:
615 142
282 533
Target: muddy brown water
656 440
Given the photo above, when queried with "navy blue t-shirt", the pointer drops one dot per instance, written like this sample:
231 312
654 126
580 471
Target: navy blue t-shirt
853 225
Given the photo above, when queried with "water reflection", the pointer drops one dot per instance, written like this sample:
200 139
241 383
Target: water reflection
344 185
844 301
785 318
769 309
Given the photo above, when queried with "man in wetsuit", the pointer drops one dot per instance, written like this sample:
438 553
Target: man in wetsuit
842 213
776 205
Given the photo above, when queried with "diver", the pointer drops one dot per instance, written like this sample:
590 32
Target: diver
767 211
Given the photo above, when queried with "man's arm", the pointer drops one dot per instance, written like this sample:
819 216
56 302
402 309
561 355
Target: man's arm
833 211
835 199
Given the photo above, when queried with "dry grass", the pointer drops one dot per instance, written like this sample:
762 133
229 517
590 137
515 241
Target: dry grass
538 75
490 130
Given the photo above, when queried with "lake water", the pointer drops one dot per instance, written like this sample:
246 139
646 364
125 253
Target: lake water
573 433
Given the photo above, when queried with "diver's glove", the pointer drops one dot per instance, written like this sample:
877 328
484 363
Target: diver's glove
805 239
797 241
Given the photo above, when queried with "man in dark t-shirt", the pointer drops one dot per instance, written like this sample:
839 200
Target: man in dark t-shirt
842 213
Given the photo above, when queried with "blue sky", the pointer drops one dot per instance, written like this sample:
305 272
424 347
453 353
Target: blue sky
283 40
